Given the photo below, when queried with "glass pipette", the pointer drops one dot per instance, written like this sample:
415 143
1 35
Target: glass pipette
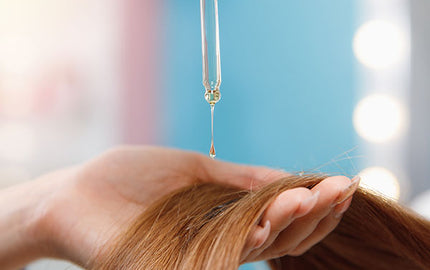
211 58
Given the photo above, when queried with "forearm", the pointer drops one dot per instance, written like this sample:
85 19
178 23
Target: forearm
20 241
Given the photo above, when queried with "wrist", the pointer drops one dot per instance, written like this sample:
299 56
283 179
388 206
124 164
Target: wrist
16 245
23 234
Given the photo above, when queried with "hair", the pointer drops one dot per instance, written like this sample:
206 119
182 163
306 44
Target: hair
205 226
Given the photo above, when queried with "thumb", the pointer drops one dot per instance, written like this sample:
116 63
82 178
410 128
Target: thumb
242 176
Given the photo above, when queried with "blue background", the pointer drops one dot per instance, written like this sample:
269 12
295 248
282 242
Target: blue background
287 83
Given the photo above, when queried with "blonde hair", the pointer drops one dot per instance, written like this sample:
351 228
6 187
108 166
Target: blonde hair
205 226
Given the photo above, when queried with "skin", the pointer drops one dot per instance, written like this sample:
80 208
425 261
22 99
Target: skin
74 213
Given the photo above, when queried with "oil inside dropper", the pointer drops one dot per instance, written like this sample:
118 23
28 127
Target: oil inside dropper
212 97
212 153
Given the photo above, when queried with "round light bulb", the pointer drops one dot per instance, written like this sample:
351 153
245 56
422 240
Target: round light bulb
380 44
381 180
379 118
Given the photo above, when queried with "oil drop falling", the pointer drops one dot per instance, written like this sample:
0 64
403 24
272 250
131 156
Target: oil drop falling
212 153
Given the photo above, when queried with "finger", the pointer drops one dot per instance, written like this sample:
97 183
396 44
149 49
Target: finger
331 189
324 228
289 205
256 239
242 176
197 166
329 223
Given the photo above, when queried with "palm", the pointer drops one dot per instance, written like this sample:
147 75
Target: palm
110 191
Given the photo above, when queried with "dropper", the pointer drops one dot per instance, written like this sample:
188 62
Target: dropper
211 58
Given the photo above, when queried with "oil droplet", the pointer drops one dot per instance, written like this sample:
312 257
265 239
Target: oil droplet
212 153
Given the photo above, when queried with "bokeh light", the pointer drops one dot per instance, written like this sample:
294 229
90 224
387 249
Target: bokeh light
380 44
379 118
421 204
381 180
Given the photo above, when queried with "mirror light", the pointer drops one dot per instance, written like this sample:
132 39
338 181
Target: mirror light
381 180
379 118
380 44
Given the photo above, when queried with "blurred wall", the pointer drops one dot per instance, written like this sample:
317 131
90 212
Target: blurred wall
58 84
419 151
141 78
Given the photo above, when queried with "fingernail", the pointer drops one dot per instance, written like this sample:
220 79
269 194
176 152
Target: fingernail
338 213
263 235
310 202
348 191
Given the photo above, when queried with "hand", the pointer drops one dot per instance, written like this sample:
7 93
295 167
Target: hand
300 218
76 211
91 204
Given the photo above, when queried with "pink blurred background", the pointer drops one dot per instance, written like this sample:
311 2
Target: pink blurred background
62 64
